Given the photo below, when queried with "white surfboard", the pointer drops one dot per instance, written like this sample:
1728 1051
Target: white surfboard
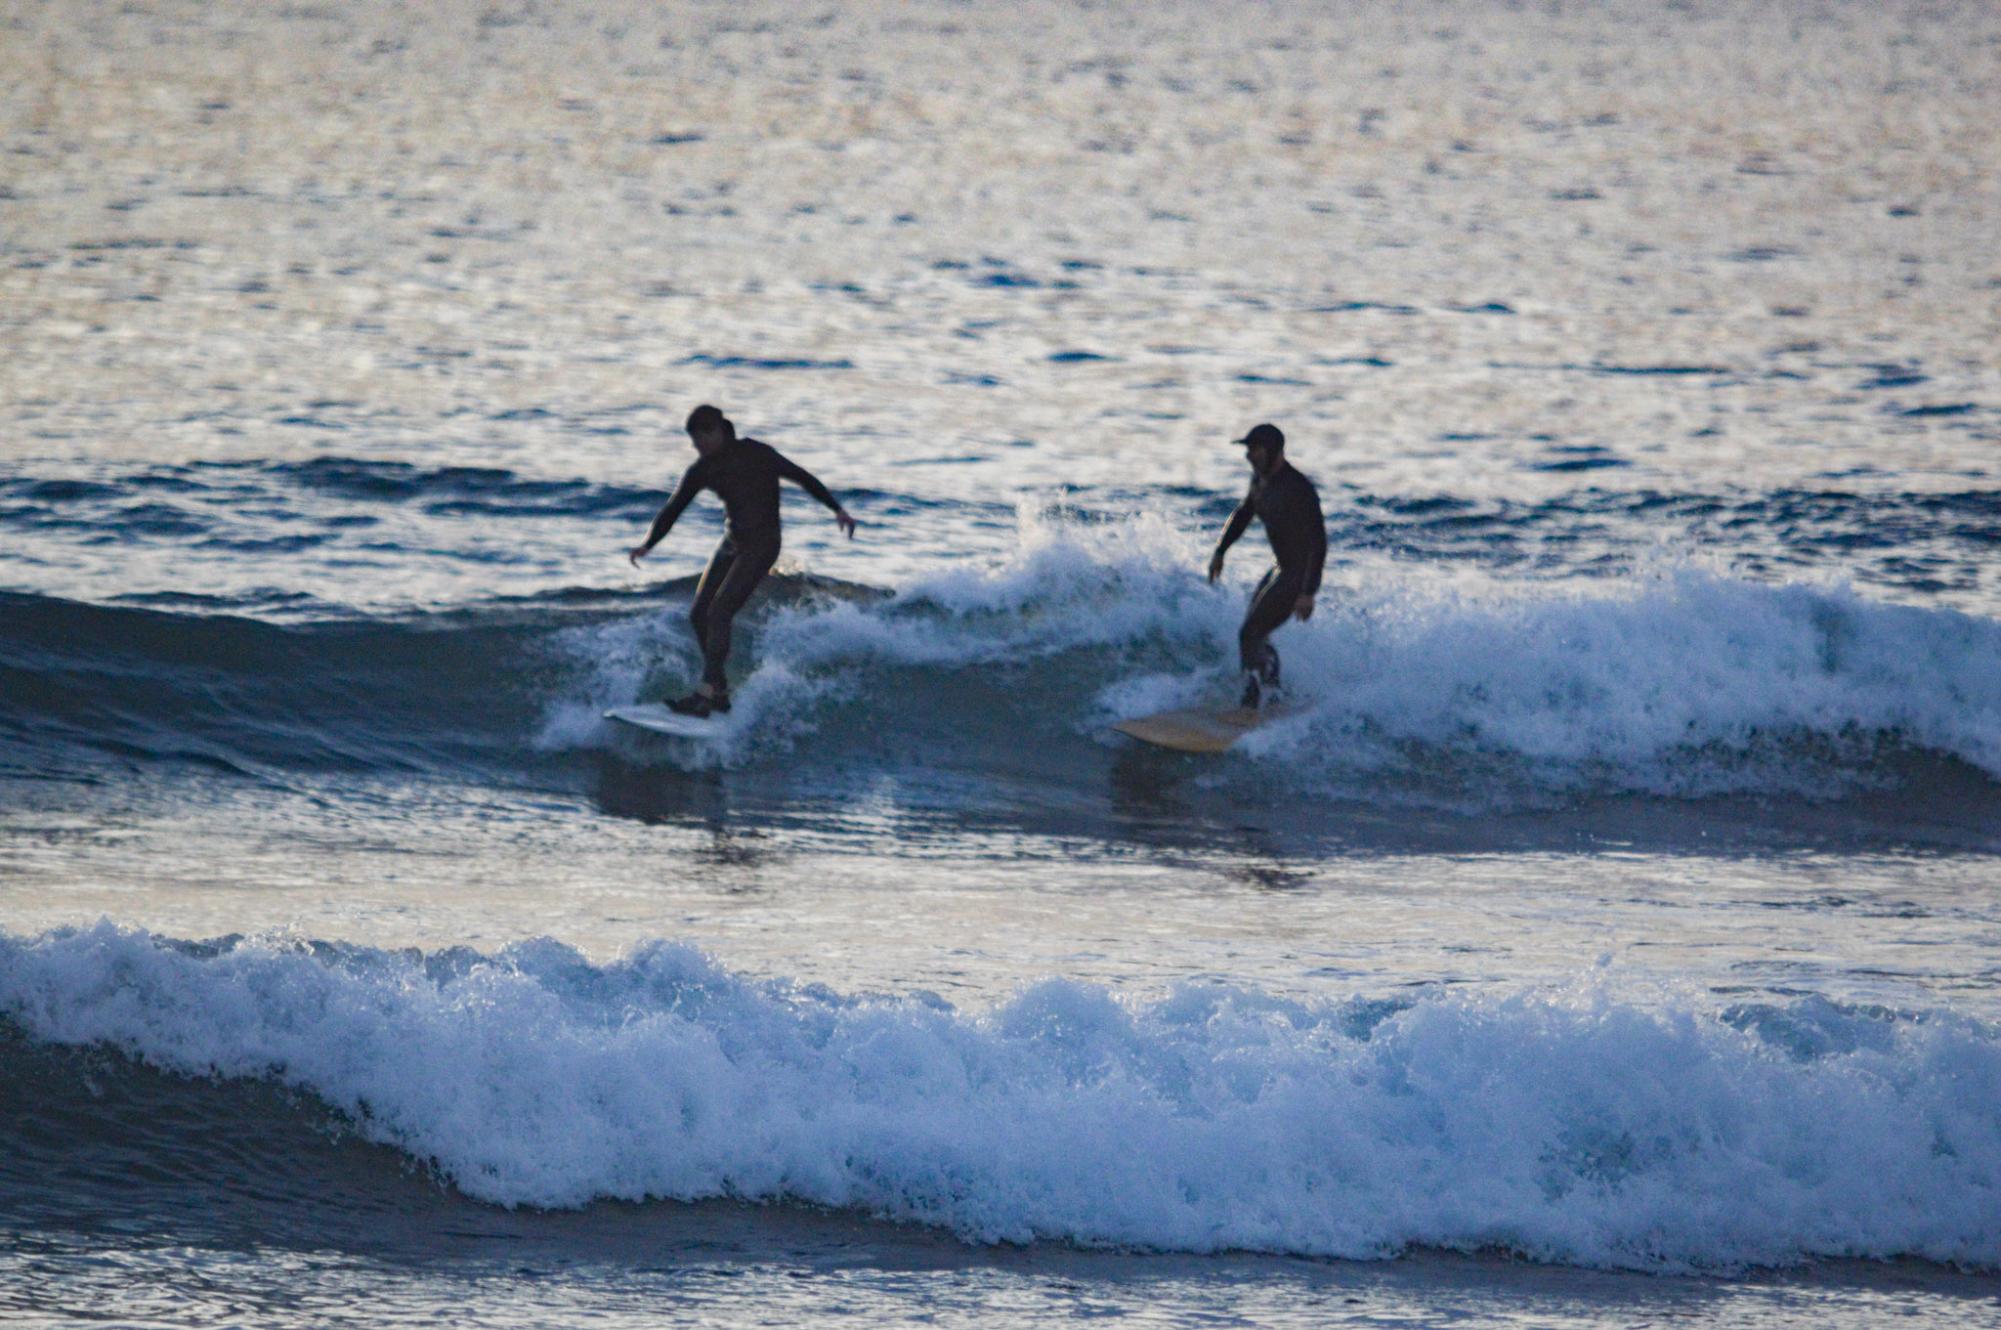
1195 729
657 719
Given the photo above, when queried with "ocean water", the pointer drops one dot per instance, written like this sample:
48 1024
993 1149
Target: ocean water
1607 934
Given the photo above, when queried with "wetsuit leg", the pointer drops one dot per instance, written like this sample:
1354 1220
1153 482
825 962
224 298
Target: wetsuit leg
739 579
706 589
1274 599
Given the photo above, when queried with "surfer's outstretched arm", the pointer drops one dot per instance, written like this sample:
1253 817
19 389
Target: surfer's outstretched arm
806 480
1240 521
684 493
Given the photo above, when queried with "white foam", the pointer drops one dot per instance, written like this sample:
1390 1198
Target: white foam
619 663
1064 585
1679 680
607 665
1643 1131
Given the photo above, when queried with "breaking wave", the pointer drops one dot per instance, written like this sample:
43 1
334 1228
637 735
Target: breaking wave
1409 684
1652 1132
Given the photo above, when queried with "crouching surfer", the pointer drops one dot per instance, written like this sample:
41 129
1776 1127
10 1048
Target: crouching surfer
744 474
1286 502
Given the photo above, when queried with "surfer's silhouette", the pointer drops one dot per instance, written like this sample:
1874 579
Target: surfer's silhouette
1287 504
744 474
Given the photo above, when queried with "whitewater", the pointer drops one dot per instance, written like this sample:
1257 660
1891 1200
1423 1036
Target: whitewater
1566 1126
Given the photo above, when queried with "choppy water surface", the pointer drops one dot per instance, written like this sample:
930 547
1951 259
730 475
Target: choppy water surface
1608 934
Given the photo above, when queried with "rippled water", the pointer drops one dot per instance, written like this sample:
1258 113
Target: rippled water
1608 934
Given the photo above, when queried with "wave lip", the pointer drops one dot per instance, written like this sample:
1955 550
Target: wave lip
1568 1126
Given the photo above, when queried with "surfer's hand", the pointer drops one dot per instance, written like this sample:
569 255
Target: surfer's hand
1304 609
638 553
1216 565
844 522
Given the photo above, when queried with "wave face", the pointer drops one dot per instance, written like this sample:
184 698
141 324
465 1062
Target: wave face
1414 687
250 696
1567 1126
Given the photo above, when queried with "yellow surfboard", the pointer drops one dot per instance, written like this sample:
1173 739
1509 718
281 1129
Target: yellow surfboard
1198 730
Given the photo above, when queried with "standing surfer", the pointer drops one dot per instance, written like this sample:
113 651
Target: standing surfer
1286 502
744 474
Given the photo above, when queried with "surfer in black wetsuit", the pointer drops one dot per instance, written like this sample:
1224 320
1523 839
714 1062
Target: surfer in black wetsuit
1285 501
744 474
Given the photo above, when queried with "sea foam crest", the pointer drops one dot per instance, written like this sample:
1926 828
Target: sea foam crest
1680 681
1571 1125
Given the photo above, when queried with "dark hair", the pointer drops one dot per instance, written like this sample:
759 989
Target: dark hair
706 417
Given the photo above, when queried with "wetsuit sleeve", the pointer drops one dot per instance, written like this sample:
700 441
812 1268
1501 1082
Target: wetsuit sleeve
804 479
692 482
1240 521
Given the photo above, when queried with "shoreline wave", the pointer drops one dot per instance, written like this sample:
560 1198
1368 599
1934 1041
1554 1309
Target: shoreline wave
1580 1126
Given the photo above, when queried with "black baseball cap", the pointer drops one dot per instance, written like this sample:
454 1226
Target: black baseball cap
1263 436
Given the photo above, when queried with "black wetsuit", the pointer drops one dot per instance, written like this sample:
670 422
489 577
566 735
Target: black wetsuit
744 474
1287 504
